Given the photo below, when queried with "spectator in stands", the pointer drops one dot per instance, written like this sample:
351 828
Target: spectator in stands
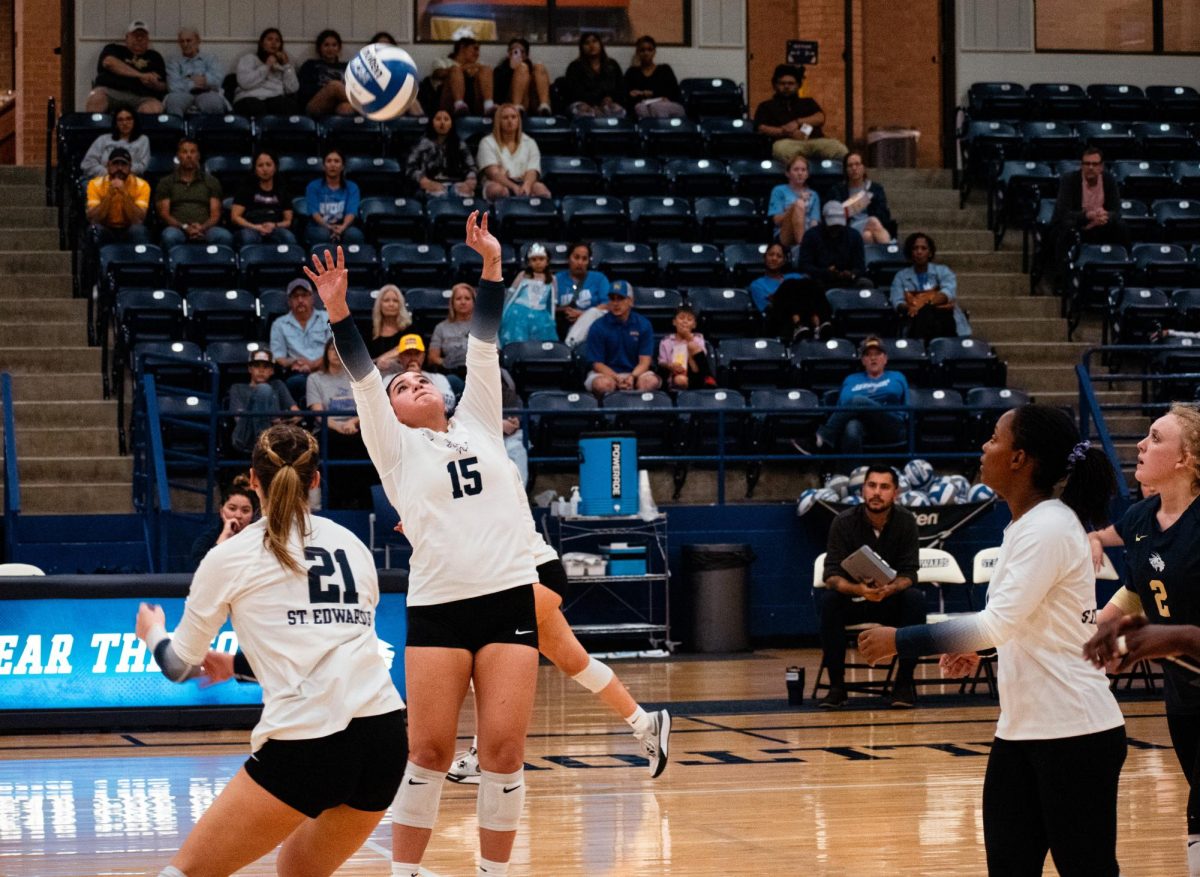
510 159
390 318
266 79
130 75
126 133
411 358
194 79
683 356
448 344
332 204
239 509
117 203
529 305
594 85
514 436
865 201
579 288
258 401
188 201
862 394
652 88
833 254
1088 207
794 208
620 347
924 294
322 90
465 84
441 162
521 81
890 531
794 122
262 208
298 337
794 304
328 389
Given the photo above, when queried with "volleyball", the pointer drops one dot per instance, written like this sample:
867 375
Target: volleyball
381 81
914 499
942 492
853 499
961 486
857 477
919 474
806 501
840 484
980 493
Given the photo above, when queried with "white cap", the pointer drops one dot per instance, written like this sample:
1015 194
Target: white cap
137 24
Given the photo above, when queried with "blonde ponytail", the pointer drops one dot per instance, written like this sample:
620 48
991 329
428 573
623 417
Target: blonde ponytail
285 459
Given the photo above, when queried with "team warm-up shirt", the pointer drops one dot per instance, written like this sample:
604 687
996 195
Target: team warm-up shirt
462 510
1164 570
309 637
1041 609
538 547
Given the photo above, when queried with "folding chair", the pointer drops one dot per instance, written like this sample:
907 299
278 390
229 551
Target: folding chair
870 686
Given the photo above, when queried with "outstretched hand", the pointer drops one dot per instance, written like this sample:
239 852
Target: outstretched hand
149 616
485 244
331 281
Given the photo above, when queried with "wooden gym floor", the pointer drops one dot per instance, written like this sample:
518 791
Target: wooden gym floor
753 788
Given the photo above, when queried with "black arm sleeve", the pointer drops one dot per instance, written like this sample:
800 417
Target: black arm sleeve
489 304
242 671
353 350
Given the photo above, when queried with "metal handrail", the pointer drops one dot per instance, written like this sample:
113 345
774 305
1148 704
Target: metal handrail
51 122
1089 409
12 479
159 496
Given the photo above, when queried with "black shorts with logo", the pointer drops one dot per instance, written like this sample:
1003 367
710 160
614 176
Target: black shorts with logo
508 616
553 575
360 766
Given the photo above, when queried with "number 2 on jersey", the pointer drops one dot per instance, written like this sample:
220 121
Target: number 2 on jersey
464 481
1160 598
320 591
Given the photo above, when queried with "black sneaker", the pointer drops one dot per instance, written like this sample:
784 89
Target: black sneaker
835 699
904 696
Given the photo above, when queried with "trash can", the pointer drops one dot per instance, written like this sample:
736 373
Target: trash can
892 147
719 585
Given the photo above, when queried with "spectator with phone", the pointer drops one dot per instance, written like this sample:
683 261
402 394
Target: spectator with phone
795 123
521 81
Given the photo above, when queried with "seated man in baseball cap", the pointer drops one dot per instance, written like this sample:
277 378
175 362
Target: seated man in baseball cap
260 399
129 75
620 347
117 203
863 393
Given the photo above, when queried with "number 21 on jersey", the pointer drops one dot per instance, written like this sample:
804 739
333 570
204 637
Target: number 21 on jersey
1160 598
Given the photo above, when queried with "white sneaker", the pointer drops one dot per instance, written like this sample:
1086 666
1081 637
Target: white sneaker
465 767
656 743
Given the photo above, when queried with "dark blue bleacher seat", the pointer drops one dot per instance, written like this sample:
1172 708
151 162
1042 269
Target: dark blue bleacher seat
1138 219
1049 141
725 432
755 177
670 137
429 306
402 134
1059 100
1186 174
823 175
1136 313
466 264
984 145
1119 102
594 217
212 265
1162 265
557 432
1115 139
294 134
375 176
76 132
963 363
625 261
734 138
858 313
994 401
231 171
163 130
634 176
884 262
222 315
651 416
353 135
1177 103
541 365
1179 218
822 365
909 357
1186 305
300 170
1142 180
689 264
1094 270
231 359
658 305
1165 141
660 217
997 100
724 312
392 219
705 98
602 136
571 175
751 363
693 177
176 363
221 133
148 315
415 265
554 135
778 432
729 219
361 302
448 216
744 263
123 265
527 219
940 424
271 265
362 261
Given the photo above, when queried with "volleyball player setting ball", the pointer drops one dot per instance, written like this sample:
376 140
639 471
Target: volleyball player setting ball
471 608
1052 774
329 752
1161 536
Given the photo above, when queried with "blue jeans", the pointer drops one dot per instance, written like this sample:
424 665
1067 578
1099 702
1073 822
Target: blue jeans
173 237
849 428
134 234
318 234
278 236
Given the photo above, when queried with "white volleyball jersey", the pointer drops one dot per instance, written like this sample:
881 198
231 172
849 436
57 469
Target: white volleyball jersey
538 547
310 637
462 510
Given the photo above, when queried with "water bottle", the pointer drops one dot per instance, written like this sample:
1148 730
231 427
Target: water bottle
573 503
795 685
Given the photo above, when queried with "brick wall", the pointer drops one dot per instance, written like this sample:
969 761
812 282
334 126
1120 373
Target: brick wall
7 80
39 74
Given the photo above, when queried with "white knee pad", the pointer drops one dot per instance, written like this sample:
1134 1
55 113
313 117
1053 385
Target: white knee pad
595 676
501 799
417 800
171 871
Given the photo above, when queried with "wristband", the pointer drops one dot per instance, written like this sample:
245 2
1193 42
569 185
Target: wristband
157 634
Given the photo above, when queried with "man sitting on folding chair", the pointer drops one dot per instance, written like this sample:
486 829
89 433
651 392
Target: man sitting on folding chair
891 532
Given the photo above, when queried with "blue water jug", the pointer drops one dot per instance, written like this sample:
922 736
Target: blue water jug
608 480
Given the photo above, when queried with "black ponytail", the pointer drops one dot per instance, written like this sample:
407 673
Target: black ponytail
1049 437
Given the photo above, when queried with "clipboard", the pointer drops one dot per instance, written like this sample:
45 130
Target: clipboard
865 564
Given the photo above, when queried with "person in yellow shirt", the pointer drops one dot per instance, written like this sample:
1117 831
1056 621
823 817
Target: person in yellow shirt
117 203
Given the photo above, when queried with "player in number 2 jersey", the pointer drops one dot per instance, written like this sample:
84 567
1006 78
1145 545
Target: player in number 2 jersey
471 610
328 752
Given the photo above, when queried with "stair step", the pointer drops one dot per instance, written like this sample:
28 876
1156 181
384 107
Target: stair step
24 195
14 216
914 176
921 198
30 239
982 261
991 283
24 360
42 334
933 219
1040 380
81 470
1008 329
54 310
56 498
17 262
36 284
987 307
79 385
48 442
951 239
68 414
1064 352
22 175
